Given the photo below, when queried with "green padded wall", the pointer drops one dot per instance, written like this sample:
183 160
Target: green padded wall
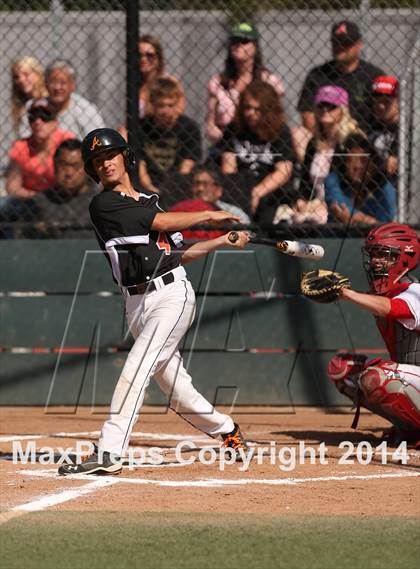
255 340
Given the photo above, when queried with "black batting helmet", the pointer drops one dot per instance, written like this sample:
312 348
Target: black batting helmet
100 140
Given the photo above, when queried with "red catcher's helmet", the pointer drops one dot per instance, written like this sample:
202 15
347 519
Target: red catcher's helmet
390 251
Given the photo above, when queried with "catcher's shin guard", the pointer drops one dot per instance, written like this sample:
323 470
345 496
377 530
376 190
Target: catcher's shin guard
385 387
344 371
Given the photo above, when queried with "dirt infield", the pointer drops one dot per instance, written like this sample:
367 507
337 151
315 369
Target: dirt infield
271 484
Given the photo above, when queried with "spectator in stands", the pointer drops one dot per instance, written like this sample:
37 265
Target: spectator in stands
359 192
152 67
31 166
27 83
170 143
66 203
385 130
333 124
74 112
346 70
258 145
206 193
243 65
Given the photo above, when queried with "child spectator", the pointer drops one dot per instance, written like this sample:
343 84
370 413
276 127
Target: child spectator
27 83
333 124
206 192
385 130
359 192
170 143
258 144
152 67
31 167
244 64
346 70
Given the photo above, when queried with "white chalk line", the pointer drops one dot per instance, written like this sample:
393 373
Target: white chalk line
63 496
11 438
60 497
214 482
141 435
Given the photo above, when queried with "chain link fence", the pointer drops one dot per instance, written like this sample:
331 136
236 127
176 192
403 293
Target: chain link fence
303 117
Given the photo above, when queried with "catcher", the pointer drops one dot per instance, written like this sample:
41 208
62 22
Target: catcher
389 388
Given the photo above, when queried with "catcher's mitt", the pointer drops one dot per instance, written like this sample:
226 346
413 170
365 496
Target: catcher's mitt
323 286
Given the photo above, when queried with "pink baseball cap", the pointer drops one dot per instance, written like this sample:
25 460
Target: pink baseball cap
333 95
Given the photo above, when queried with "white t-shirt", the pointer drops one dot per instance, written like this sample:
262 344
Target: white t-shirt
234 210
412 297
80 117
319 170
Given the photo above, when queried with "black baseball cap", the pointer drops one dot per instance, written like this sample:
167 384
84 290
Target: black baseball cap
42 108
345 33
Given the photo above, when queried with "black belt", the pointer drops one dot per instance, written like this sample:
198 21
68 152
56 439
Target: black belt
167 278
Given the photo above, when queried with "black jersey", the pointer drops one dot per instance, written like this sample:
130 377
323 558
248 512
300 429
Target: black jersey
123 229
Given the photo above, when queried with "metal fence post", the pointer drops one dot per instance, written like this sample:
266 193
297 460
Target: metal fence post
57 13
409 139
132 97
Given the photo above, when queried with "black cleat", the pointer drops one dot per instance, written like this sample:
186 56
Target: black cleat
395 436
99 462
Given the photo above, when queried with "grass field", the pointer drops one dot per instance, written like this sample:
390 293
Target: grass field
74 540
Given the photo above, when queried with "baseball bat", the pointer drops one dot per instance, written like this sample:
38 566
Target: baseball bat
293 248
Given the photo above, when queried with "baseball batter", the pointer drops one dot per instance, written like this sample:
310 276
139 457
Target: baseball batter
390 388
140 240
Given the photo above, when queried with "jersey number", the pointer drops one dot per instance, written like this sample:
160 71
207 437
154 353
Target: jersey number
163 243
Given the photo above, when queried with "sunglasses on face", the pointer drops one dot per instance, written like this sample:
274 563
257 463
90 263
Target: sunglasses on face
382 98
149 55
341 45
44 116
236 41
326 107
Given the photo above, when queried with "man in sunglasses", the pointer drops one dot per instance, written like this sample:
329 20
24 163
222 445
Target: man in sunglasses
31 165
346 69
386 110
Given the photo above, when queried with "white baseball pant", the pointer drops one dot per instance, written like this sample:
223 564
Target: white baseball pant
158 320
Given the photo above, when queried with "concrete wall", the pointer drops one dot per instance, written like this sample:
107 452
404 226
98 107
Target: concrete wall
194 44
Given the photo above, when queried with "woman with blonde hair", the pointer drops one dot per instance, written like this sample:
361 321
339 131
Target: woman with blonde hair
333 124
152 67
258 146
27 83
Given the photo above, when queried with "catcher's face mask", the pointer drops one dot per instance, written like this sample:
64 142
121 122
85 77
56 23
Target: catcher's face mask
382 267
390 252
